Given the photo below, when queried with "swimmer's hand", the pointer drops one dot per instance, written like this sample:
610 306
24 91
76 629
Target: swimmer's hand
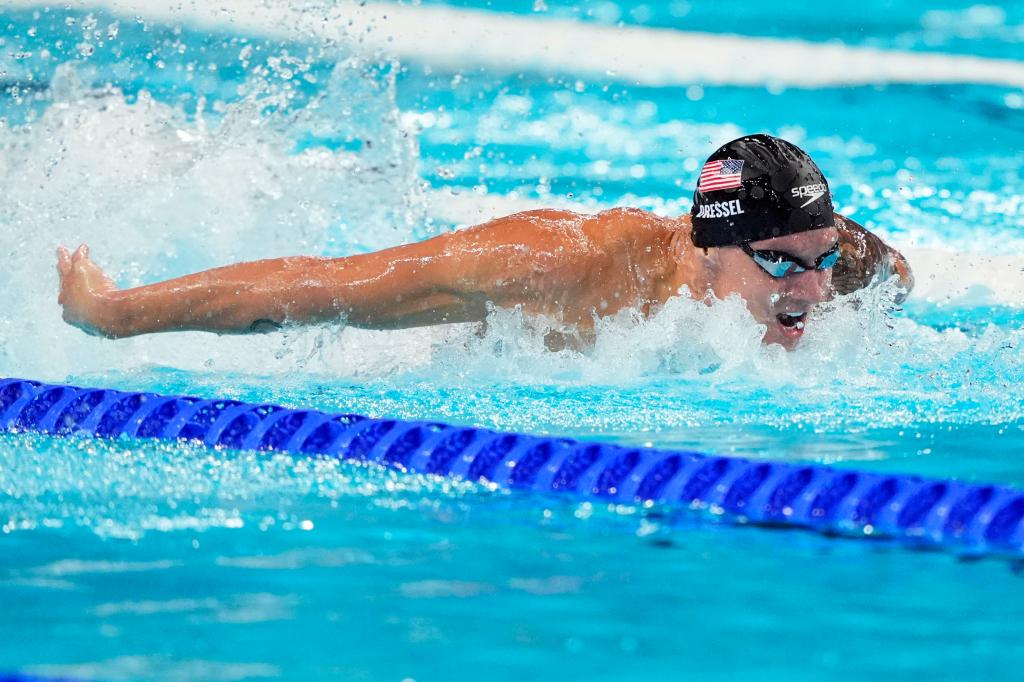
85 291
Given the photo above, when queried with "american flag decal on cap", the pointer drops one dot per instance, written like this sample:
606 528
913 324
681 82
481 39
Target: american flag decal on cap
722 174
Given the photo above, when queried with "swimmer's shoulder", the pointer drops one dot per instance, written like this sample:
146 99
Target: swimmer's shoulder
623 219
626 225
615 229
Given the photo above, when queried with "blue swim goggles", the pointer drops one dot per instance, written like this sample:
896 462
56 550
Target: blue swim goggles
779 264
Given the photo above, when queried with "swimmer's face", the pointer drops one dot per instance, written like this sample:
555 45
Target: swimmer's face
782 303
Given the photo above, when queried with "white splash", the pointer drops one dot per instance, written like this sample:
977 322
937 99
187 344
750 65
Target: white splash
157 194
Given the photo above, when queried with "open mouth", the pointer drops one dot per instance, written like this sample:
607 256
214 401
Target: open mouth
792 321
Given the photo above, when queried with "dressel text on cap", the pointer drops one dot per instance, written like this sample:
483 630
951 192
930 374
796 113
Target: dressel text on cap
720 209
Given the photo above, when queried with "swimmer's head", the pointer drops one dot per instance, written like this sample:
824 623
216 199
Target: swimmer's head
766 205
758 187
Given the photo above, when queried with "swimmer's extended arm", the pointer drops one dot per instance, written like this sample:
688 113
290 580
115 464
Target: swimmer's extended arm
866 258
449 278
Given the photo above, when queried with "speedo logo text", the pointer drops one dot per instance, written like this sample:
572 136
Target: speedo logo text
813 192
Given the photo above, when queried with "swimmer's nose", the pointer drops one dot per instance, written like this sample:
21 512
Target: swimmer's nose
813 286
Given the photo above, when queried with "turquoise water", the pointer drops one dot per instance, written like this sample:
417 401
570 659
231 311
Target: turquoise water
172 146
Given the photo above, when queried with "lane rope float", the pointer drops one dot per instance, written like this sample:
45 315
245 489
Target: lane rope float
967 517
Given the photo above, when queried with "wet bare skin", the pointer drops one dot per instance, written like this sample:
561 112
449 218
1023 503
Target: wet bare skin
566 266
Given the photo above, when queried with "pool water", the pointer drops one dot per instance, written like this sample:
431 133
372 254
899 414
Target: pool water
174 142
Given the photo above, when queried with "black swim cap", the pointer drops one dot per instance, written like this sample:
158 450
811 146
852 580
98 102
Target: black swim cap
758 187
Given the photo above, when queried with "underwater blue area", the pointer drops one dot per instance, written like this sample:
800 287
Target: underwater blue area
172 146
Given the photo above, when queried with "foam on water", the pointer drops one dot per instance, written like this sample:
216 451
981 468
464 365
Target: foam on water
157 193
854 354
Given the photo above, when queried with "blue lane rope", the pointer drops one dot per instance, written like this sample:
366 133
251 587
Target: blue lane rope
967 517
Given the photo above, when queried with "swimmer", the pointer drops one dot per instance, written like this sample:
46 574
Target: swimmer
762 228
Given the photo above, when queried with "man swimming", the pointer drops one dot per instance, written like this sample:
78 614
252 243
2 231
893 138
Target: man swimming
762 227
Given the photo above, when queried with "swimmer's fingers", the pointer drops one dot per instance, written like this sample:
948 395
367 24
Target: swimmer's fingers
81 267
63 261
63 271
67 262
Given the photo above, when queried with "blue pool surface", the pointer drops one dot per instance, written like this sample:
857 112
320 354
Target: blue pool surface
175 145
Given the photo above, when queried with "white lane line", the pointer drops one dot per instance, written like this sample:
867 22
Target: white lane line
454 39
